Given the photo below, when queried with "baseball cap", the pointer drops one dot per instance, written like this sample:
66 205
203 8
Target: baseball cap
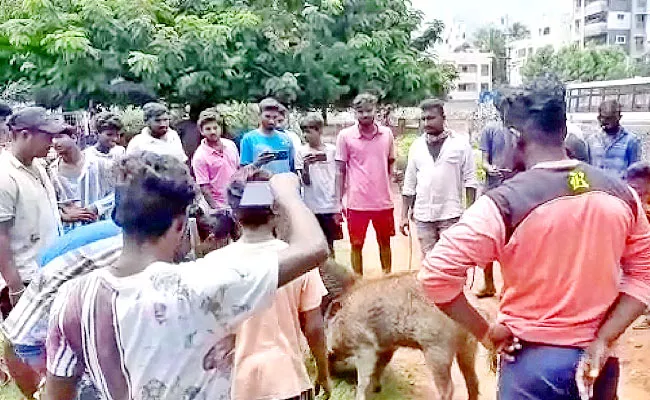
36 119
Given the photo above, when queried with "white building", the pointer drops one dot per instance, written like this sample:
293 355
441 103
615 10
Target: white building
623 23
554 31
474 73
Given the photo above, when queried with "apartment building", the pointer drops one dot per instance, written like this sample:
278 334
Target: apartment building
474 73
550 30
621 23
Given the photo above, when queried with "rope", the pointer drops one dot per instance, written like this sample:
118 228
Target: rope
410 249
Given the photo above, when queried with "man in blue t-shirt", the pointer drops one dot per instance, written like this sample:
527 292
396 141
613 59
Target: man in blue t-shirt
266 147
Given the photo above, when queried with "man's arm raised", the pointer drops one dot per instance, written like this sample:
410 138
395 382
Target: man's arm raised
307 244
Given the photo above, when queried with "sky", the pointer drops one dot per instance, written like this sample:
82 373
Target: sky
479 12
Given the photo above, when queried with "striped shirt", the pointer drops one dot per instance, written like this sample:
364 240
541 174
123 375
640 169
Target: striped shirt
27 322
164 333
614 154
92 187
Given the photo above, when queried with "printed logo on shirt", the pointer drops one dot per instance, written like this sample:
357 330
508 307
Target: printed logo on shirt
578 181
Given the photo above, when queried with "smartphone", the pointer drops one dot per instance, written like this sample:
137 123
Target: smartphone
257 194
281 155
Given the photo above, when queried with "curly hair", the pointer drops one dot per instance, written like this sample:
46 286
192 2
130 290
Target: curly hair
154 110
151 190
363 99
209 115
106 121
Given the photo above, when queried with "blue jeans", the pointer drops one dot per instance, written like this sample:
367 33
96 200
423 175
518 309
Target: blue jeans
542 372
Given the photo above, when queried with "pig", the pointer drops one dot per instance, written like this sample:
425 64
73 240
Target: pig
367 321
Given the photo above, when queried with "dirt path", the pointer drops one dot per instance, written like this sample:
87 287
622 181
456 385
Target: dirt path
634 346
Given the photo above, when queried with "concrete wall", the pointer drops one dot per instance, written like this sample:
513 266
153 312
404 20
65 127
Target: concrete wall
620 5
611 39
614 23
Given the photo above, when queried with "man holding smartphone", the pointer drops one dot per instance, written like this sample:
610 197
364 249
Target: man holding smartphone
317 162
267 147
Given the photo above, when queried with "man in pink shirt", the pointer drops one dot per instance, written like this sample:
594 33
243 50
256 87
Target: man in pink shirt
215 160
574 249
365 155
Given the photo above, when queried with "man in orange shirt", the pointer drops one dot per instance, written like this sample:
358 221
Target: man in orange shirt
269 357
574 248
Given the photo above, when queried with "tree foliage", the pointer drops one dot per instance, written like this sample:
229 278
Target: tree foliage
492 39
572 64
306 52
519 31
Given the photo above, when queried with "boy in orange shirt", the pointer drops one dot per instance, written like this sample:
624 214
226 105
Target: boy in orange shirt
269 358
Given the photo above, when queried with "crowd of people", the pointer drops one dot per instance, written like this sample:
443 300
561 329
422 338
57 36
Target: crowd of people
139 272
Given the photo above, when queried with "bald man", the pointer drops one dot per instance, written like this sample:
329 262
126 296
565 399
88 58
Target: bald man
614 149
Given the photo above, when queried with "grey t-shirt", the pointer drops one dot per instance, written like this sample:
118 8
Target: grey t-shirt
493 142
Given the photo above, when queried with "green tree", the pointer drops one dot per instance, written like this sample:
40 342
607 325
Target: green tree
492 39
573 64
308 53
519 31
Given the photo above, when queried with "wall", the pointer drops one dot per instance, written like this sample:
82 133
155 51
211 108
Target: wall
611 38
620 5
614 23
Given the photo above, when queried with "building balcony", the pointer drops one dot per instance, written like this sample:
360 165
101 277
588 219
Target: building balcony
595 29
595 7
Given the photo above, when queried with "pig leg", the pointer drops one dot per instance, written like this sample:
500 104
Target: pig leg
366 364
439 361
466 357
382 361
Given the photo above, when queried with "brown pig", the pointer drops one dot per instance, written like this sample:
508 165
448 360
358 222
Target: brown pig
367 321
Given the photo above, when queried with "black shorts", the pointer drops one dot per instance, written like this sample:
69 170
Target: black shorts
332 230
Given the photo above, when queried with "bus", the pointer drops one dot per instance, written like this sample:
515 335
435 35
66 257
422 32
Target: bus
633 94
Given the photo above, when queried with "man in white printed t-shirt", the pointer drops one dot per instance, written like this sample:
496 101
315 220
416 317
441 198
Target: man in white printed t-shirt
157 137
318 164
147 329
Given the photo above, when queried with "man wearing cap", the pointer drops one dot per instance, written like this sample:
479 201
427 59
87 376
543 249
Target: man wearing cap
157 137
29 216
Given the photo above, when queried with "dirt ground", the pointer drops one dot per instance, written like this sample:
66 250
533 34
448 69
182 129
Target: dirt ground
634 346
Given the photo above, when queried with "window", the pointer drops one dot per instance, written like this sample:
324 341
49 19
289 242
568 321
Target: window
468 68
521 53
620 17
640 21
641 98
466 87
484 87
638 43
530 51
547 31
621 39
485 70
